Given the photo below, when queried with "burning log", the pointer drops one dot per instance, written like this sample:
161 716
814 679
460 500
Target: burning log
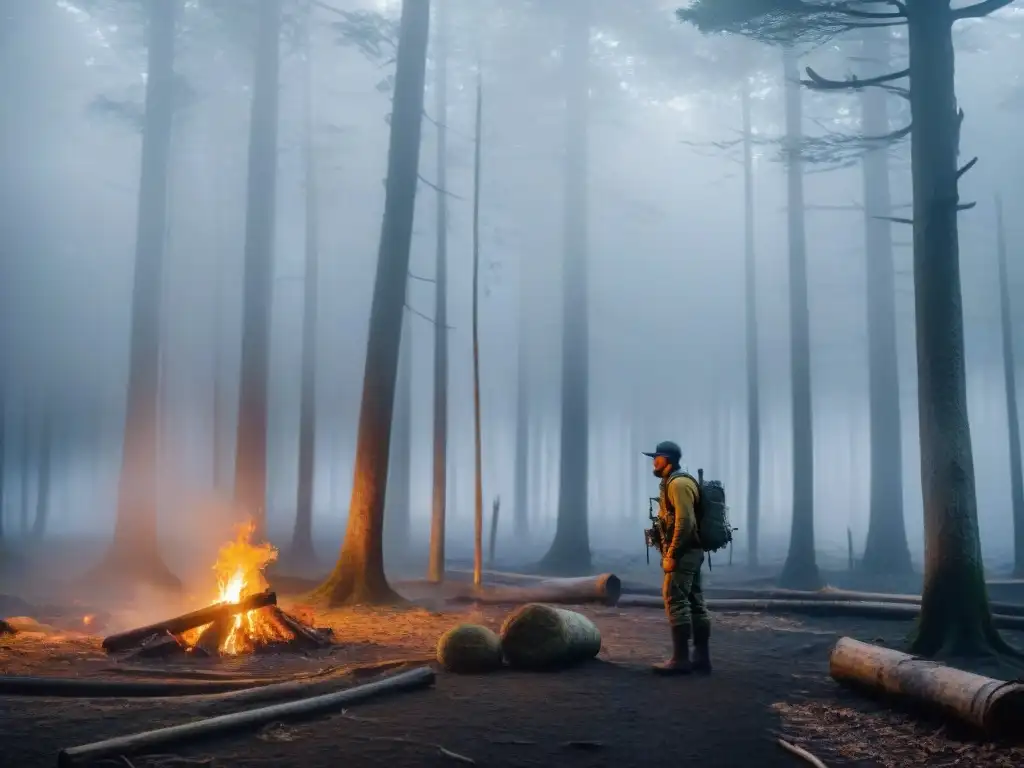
827 608
212 637
604 589
305 636
420 677
994 707
176 626
162 645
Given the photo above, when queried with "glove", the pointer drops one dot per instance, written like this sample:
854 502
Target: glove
668 564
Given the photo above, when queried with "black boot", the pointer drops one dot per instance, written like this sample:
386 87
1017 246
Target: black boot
701 655
679 664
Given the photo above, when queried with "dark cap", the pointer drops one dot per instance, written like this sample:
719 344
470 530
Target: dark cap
668 449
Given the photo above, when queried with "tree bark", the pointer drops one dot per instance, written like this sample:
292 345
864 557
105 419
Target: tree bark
521 515
302 551
886 549
261 191
956 618
1012 414
801 568
43 480
753 371
570 550
439 501
397 498
359 576
135 556
25 461
478 514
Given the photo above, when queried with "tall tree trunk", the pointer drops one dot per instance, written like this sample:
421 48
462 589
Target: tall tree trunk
439 505
359 576
135 554
43 480
398 496
25 462
478 509
886 549
955 618
521 520
1012 414
302 551
801 568
570 549
753 370
261 191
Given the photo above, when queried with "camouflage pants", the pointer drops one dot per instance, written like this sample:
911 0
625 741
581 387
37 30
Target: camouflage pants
684 600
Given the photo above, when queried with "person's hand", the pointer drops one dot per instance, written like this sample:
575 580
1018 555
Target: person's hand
668 564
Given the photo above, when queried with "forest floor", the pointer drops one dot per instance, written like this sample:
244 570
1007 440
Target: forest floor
770 681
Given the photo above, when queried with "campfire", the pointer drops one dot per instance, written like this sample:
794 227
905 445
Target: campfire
243 618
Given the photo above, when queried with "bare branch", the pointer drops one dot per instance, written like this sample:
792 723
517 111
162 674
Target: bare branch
448 128
819 83
436 188
422 279
899 13
894 219
961 171
979 10
429 319
965 206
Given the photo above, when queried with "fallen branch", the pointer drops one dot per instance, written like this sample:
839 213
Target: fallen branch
800 752
831 594
221 611
995 707
604 589
76 687
865 609
420 677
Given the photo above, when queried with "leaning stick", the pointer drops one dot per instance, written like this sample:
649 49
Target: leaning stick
421 677
133 637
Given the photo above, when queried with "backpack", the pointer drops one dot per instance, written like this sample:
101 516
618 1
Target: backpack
712 513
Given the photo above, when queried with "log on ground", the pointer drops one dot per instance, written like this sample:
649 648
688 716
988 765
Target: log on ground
993 707
832 594
603 589
122 641
469 649
133 744
864 610
77 687
538 636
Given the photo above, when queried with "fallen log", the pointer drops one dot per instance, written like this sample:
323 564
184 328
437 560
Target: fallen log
865 609
77 687
160 646
604 589
994 707
831 594
420 677
221 611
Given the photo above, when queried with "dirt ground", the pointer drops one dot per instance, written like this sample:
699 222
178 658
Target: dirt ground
770 680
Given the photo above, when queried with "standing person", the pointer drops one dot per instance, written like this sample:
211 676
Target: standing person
681 560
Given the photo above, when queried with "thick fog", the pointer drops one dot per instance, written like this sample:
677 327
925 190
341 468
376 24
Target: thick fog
665 256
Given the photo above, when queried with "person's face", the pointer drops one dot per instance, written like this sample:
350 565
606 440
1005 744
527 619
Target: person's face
660 465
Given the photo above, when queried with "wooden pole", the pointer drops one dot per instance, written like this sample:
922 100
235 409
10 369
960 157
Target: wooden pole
421 677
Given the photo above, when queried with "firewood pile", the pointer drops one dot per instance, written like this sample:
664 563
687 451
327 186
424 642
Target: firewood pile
253 624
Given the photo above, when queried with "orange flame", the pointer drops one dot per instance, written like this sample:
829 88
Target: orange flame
239 568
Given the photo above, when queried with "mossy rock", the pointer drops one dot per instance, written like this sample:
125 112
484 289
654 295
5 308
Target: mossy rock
469 649
539 636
